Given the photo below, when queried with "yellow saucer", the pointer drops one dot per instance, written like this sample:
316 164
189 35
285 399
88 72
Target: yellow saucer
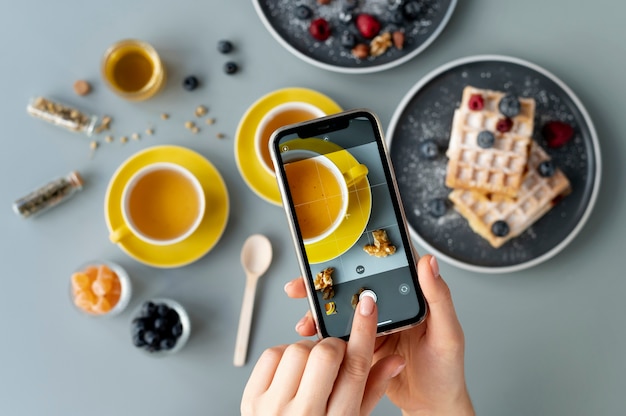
253 173
209 231
359 203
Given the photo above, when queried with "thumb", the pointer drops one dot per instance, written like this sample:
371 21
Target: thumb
378 379
443 323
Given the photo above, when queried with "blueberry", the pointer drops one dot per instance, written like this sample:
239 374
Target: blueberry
230 67
397 17
138 339
147 309
429 149
224 46
348 40
151 338
350 4
167 343
303 12
485 139
437 207
500 228
190 83
140 324
162 309
546 168
509 105
411 9
177 329
160 324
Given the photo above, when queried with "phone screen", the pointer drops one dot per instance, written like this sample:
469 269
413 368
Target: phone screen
348 221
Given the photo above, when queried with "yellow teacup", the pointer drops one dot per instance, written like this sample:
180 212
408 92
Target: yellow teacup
320 192
283 114
162 204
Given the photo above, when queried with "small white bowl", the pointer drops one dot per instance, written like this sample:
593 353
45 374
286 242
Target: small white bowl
125 288
155 350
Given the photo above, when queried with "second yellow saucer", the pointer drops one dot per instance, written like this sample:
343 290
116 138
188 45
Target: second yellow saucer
252 172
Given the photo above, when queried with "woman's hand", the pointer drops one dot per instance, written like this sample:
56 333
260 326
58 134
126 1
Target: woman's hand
326 377
434 379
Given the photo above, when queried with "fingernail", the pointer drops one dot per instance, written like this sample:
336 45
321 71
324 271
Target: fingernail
434 266
366 306
300 323
287 285
398 370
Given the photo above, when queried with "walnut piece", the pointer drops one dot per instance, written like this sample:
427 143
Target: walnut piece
324 279
382 247
380 44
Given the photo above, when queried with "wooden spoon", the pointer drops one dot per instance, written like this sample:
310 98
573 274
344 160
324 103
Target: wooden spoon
256 256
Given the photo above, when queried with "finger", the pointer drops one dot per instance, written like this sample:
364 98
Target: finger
380 375
295 288
289 371
262 374
306 326
443 322
319 376
348 392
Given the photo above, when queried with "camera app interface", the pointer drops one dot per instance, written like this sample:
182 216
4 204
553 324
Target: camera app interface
348 224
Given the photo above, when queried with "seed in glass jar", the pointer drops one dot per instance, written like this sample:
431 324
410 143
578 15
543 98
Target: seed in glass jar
201 111
164 116
210 121
82 87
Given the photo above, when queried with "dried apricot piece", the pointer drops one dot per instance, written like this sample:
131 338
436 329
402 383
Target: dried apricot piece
102 306
80 281
101 287
85 300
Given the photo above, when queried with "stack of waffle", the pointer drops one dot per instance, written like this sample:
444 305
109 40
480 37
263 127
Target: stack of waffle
503 181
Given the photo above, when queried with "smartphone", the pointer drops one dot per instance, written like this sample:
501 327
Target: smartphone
344 211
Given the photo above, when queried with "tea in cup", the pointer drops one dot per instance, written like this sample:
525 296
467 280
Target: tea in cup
320 192
279 116
162 204
133 70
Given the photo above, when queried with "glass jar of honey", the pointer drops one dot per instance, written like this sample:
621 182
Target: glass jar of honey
133 70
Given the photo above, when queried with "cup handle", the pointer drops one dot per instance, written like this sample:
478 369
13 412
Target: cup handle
119 234
355 174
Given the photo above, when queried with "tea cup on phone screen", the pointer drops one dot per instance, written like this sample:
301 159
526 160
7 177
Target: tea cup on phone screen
162 204
320 192
283 114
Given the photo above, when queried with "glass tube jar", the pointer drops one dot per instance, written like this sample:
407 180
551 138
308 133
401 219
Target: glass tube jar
62 115
49 195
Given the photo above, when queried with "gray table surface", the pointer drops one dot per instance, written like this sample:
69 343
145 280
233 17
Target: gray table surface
549 340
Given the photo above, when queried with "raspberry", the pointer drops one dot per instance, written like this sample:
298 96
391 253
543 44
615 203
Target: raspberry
504 125
557 133
476 102
367 25
320 29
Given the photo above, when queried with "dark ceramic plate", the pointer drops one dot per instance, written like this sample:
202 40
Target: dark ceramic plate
279 17
426 113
